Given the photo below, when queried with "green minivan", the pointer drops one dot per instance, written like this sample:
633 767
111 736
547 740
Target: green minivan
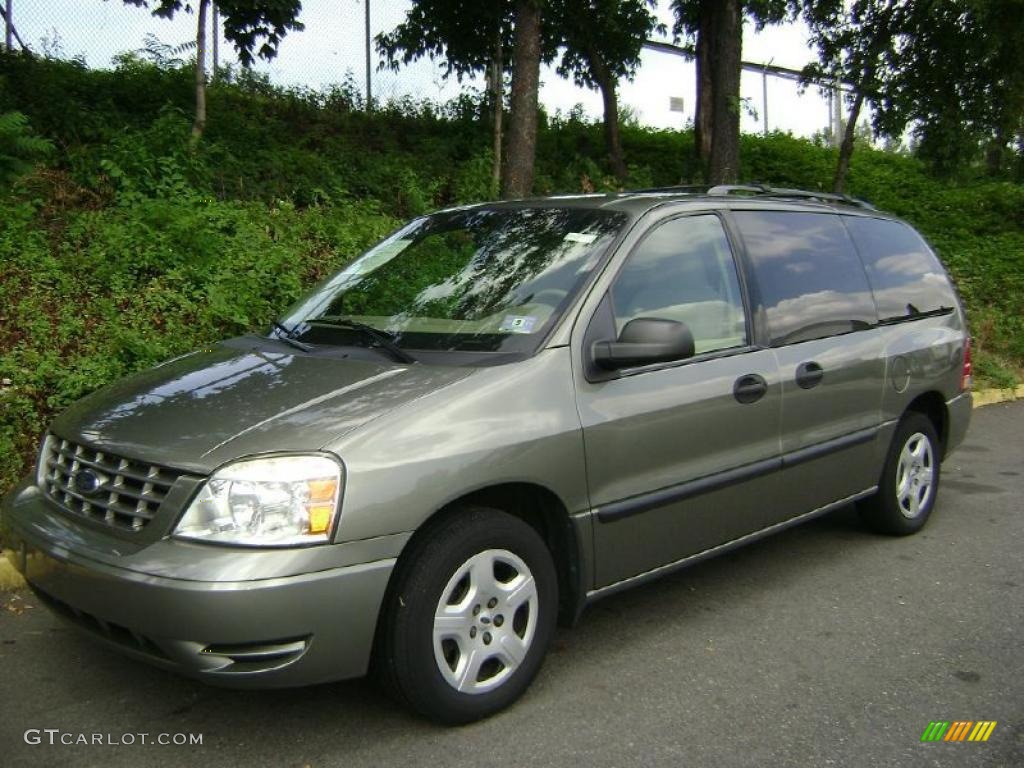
494 417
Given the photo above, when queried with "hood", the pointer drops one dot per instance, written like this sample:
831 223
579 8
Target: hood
198 411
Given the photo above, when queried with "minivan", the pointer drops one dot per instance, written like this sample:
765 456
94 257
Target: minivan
494 417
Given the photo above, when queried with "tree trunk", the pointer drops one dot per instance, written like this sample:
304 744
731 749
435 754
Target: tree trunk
10 31
215 37
846 148
995 152
199 124
497 88
612 137
882 36
705 90
725 58
521 149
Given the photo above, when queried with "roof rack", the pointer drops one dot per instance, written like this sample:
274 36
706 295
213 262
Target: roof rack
760 190
800 194
690 189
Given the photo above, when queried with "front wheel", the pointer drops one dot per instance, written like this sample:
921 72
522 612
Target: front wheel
910 480
471 617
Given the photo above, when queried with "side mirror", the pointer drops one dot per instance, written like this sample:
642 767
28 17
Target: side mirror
643 341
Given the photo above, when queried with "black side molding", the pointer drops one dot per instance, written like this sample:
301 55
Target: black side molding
818 450
634 505
646 501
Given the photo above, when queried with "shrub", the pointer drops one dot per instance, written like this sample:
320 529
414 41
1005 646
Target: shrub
20 148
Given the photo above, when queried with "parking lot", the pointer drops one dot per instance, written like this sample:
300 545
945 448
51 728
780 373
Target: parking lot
824 645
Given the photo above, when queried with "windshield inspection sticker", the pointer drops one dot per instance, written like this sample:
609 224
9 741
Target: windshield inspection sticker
517 324
580 237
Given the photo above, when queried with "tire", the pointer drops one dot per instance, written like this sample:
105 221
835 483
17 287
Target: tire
471 616
909 484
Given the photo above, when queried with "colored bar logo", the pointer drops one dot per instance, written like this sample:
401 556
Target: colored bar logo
958 730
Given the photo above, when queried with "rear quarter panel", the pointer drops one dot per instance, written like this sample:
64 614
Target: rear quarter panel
920 356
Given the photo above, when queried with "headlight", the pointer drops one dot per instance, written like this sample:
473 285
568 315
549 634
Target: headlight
279 501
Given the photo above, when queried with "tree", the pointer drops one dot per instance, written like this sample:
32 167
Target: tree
959 83
1003 25
1004 118
602 41
948 70
199 124
716 26
254 27
470 37
694 21
521 150
855 46
467 38
496 91
725 58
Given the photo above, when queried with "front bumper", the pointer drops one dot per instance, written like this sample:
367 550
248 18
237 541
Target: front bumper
306 623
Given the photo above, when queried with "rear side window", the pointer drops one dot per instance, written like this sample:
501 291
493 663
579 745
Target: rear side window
905 275
811 281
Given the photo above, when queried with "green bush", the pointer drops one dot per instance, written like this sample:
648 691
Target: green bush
119 289
20 148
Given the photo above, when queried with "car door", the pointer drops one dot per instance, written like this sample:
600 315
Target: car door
681 456
821 321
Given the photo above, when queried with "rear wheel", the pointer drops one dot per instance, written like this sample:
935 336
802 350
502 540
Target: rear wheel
909 484
471 618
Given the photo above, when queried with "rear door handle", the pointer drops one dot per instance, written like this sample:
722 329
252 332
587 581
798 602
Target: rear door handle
809 375
749 388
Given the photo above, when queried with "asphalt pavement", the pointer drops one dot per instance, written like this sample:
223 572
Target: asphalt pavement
823 645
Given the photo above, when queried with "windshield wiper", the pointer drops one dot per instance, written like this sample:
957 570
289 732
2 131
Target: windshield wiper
288 337
383 340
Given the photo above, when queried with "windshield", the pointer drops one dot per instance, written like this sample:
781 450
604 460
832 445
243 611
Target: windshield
485 279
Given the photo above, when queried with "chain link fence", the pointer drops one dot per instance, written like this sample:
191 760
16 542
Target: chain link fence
333 48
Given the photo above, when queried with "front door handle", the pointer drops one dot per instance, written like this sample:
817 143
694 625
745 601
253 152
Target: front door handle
749 388
809 375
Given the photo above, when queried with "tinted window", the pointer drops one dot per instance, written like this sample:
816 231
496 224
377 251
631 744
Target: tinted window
684 271
905 275
811 281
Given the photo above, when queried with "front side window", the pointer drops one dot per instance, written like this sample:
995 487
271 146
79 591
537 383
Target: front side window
684 271
477 280
905 275
811 280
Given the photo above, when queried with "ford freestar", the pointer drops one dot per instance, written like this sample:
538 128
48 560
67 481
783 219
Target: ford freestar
495 416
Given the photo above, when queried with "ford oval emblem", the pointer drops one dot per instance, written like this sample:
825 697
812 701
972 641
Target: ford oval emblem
86 482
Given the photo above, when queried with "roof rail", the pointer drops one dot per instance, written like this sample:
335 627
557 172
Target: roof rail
760 190
692 189
728 189
755 190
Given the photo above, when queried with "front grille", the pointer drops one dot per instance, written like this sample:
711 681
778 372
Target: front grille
100 486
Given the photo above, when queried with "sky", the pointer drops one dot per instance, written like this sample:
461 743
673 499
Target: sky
333 44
